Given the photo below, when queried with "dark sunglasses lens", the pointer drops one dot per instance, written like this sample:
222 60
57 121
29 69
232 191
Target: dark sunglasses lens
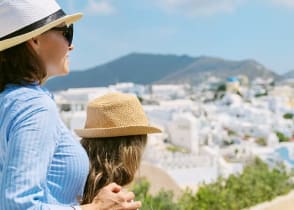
69 34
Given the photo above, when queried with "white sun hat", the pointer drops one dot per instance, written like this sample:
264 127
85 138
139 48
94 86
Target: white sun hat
21 20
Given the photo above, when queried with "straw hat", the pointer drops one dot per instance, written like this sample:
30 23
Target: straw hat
115 114
21 20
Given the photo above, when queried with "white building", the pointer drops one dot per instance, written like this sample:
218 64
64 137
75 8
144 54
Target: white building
169 92
183 131
130 88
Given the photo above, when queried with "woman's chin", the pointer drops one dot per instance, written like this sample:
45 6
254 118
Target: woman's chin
63 72
66 71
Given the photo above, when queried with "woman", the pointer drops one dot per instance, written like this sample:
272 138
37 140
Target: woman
41 165
114 137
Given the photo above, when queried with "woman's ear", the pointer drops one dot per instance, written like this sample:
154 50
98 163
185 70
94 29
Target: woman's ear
35 43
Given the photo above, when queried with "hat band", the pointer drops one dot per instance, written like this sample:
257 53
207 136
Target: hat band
60 13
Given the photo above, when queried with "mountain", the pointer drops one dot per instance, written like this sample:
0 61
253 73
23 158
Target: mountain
288 75
204 67
151 68
135 67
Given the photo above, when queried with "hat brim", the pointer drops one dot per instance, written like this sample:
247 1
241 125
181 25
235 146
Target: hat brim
115 132
68 19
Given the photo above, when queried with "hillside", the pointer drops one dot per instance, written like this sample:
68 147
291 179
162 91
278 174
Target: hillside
151 68
137 68
288 75
204 67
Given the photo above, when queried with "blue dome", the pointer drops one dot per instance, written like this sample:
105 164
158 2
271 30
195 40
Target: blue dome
232 79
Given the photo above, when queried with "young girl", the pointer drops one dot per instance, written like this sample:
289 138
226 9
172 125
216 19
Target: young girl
114 137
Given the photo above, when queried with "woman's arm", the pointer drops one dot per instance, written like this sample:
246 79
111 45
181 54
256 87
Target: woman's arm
29 151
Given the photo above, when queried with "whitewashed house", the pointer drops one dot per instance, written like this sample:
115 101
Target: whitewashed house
184 131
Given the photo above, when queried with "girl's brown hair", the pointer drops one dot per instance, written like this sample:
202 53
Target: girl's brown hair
20 65
114 159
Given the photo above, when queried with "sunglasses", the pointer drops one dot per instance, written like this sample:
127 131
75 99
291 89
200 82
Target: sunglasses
67 32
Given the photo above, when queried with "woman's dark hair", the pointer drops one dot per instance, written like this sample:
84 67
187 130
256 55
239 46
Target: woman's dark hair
114 159
20 65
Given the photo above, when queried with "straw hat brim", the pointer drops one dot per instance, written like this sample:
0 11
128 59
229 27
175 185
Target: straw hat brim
115 132
68 19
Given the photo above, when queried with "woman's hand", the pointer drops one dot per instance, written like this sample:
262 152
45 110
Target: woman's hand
111 197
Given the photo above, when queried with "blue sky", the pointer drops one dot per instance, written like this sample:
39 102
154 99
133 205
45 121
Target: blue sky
231 29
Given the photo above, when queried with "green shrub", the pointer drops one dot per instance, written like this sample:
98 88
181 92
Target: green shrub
258 183
161 201
282 137
231 132
288 116
261 141
174 148
257 95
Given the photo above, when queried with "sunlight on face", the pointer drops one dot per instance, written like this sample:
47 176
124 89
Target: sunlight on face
54 51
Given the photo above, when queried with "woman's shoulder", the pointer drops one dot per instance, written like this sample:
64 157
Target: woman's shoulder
27 96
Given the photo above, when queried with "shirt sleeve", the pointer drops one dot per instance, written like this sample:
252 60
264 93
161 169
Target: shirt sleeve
31 143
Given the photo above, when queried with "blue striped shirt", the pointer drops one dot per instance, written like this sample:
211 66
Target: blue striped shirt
41 165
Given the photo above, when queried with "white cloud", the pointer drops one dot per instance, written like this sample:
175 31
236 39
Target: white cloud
199 7
100 8
287 3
